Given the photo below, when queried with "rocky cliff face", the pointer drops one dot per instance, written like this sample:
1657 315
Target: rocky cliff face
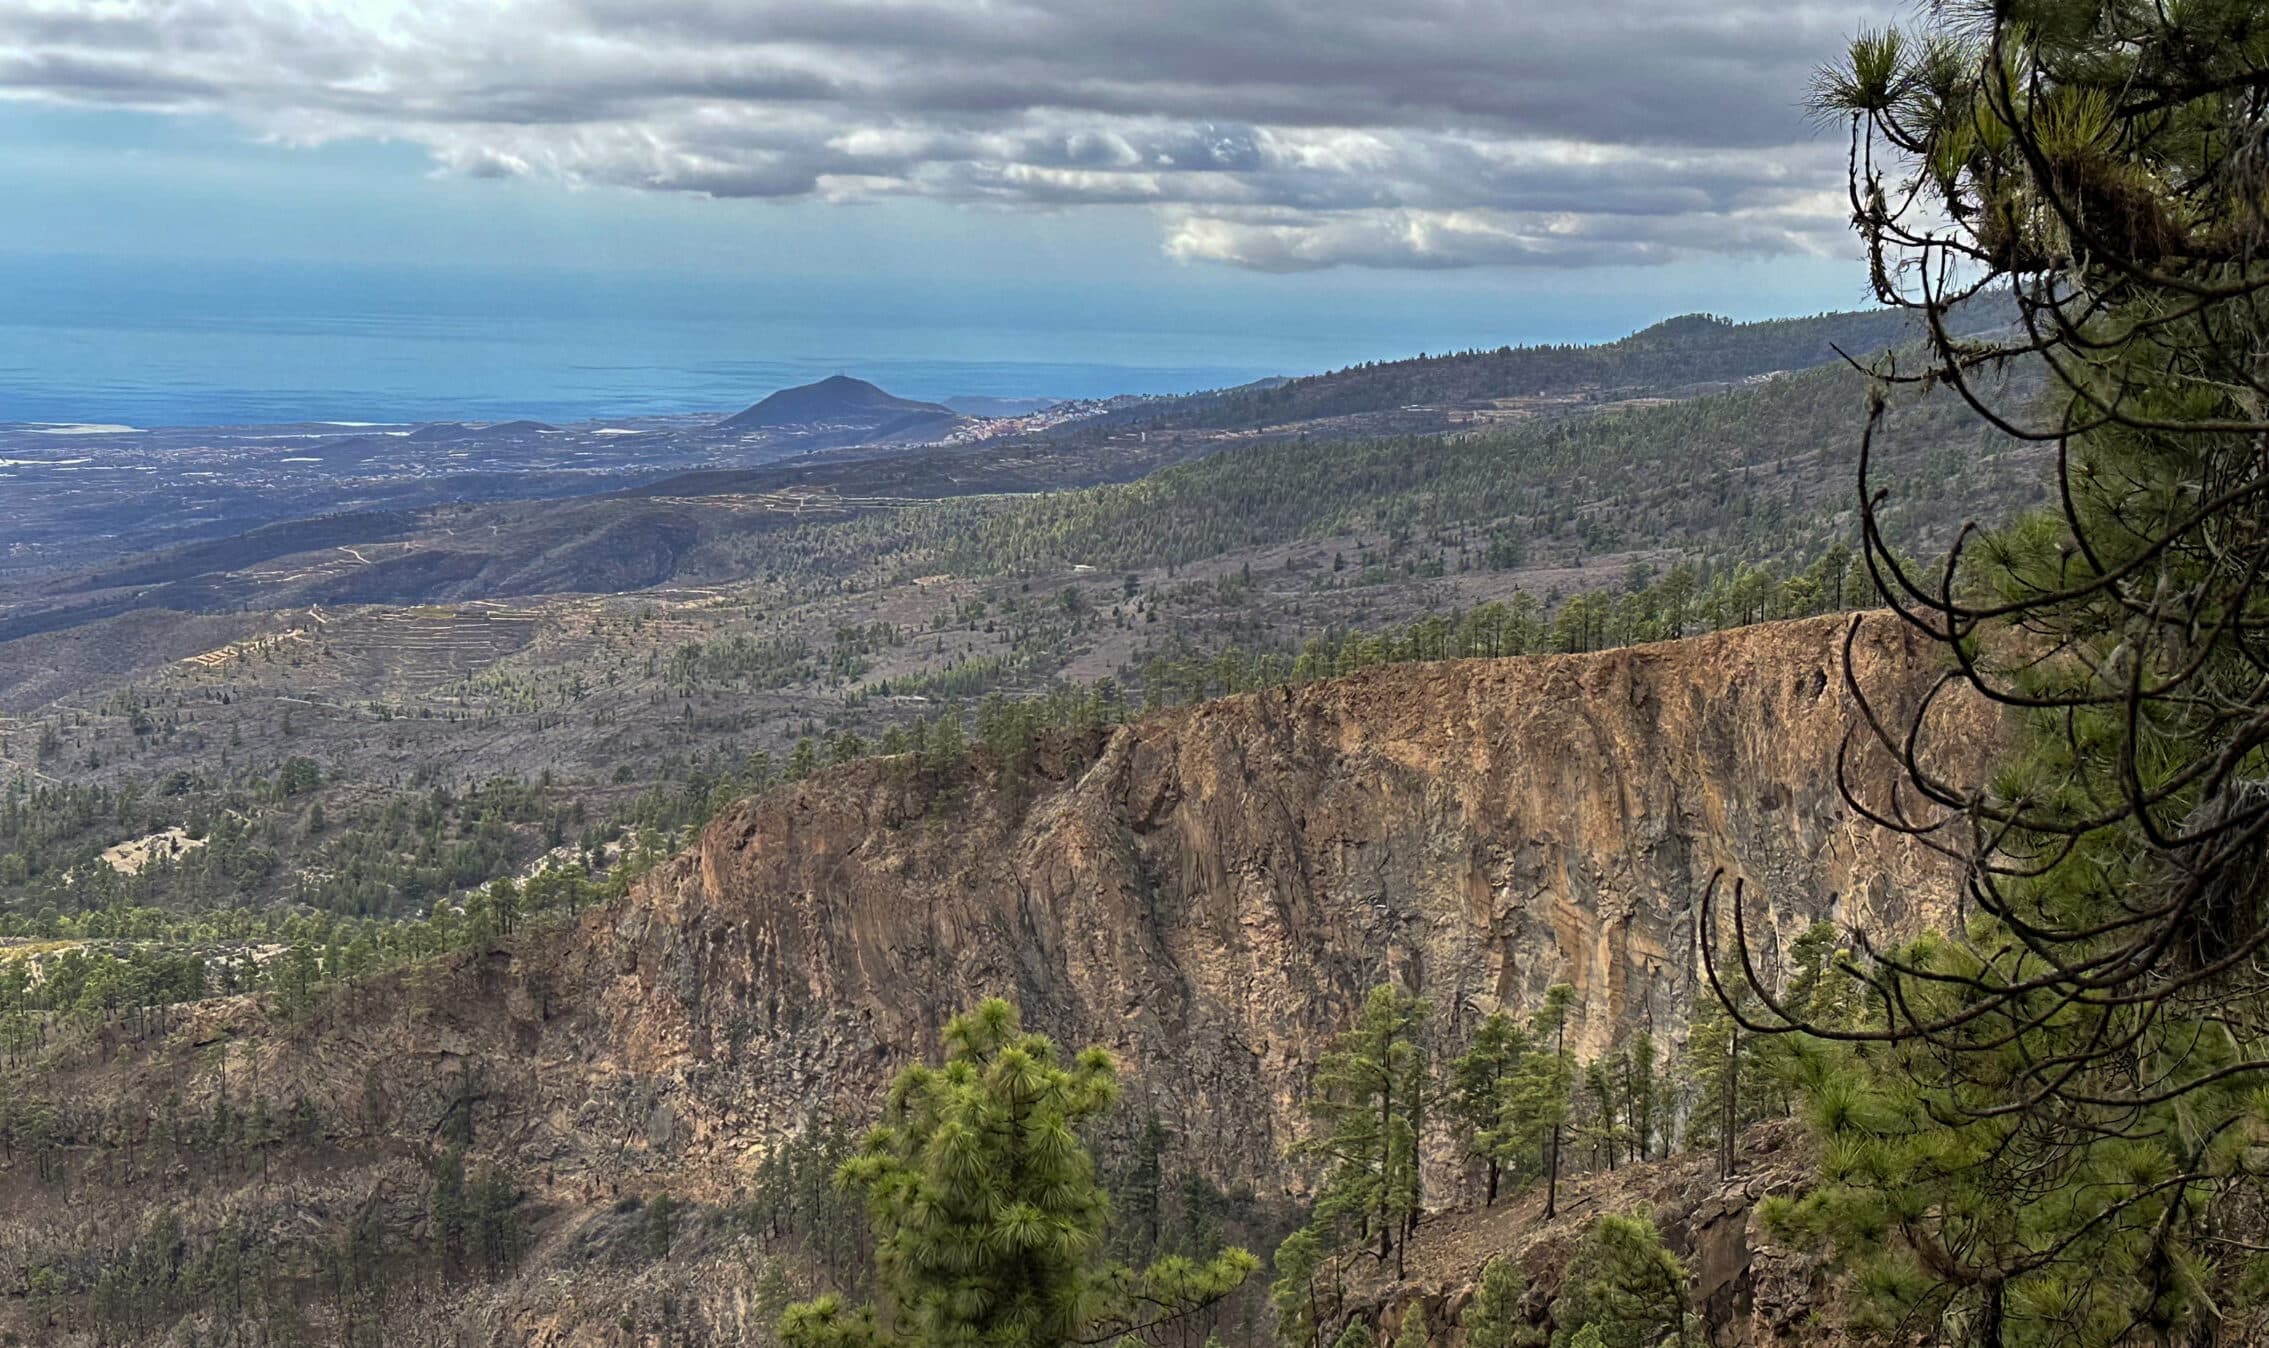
1213 894
1209 892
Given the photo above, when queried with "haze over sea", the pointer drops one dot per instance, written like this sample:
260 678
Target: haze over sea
97 340
148 343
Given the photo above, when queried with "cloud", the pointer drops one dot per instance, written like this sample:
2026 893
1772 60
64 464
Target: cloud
1403 237
1275 134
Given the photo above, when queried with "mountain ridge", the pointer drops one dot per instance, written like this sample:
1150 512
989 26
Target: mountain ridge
1682 351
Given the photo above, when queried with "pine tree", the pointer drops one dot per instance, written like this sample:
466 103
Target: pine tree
1533 1110
773 1293
450 1211
1412 1333
1642 1095
1776 1069
1299 1314
494 1227
1622 1285
1495 1318
1368 1094
1718 1060
2016 1231
1599 1128
1479 1078
987 1217
1552 1018
2029 1135
1816 993
945 744
1356 1335
1410 1176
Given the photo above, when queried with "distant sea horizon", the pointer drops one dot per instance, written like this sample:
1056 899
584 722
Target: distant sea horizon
147 344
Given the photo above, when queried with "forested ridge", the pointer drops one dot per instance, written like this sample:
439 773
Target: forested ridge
1691 349
1754 474
1759 472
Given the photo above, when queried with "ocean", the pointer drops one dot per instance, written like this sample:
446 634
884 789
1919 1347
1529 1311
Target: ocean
155 344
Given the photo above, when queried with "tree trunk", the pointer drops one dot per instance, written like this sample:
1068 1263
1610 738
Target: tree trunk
1386 1147
1732 1102
1552 1183
1560 1052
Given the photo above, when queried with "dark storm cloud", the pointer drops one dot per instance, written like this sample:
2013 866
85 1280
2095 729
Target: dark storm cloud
1628 70
1266 133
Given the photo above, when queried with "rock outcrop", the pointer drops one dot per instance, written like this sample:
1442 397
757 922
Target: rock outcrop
1213 894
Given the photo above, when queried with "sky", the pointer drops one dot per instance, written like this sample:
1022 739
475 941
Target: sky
1521 170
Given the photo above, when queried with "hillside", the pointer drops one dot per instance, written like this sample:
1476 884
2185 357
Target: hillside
1758 473
1761 470
567 673
1205 891
1751 1290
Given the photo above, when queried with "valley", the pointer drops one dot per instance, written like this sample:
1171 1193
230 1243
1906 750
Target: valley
639 652
639 820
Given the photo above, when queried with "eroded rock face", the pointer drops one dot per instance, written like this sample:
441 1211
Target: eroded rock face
1212 895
